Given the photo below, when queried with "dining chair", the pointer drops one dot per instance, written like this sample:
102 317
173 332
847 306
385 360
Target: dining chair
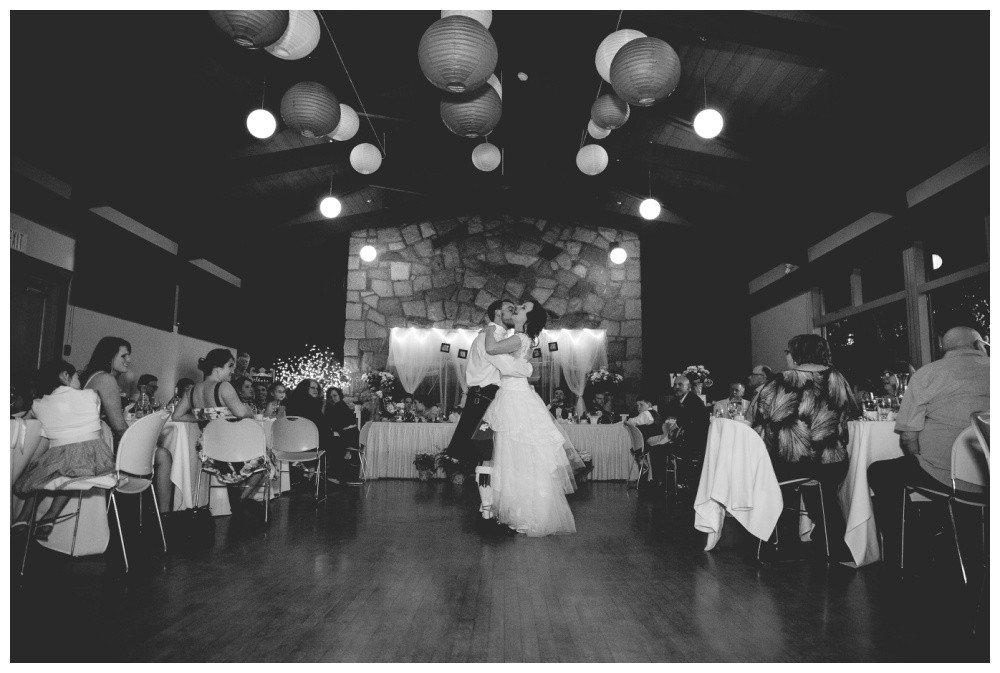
797 485
235 440
134 470
969 482
296 440
981 422
640 455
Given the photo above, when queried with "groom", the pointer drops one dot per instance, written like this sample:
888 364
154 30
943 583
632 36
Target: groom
482 375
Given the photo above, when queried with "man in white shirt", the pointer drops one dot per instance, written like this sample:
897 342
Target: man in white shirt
482 374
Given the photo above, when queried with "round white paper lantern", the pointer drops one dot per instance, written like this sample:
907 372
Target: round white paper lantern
330 206
456 54
483 16
366 158
708 123
609 47
261 124
495 83
650 209
300 38
596 131
368 253
592 159
486 157
348 126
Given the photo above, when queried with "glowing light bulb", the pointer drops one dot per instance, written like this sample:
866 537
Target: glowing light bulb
330 207
936 262
708 123
368 253
618 254
261 124
650 209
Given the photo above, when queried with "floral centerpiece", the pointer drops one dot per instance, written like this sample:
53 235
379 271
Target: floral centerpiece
426 464
602 378
698 375
380 386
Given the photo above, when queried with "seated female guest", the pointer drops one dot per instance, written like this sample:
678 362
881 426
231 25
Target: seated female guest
216 398
275 406
305 401
260 396
344 424
244 388
802 416
71 420
110 359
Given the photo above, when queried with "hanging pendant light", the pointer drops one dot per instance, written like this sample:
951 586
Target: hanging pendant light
472 115
592 159
330 207
368 253
251 28
348 126
486 157
617 254
609 47
650 209
261 124
457 54
609 111
300 38
645 71
366 158
708 123
596 131
311 109
483 16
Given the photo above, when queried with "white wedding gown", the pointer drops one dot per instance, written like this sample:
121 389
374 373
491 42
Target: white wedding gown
531 474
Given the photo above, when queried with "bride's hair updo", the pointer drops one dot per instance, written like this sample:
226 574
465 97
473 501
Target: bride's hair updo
535 322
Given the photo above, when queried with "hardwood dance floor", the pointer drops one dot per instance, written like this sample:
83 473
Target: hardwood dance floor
396 571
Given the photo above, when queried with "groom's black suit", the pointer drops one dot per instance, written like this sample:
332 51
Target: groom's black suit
462 447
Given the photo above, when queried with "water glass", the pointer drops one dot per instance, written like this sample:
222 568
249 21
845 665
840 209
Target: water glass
883 406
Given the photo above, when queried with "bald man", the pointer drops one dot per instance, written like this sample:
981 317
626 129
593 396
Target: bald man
935 409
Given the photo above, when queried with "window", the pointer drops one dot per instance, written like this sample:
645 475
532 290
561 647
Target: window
863 344
955 245
836 291
964 303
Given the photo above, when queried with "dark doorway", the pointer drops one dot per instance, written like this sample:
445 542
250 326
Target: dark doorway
38 294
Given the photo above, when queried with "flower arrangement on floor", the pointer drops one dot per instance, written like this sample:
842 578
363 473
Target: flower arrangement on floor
426 464
452 468
321 364
698 374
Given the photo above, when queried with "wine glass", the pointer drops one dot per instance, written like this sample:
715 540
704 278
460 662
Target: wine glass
882 406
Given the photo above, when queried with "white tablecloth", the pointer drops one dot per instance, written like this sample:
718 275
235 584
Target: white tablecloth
391 447
870 441
736 477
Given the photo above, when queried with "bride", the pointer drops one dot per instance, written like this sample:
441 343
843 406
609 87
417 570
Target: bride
531 474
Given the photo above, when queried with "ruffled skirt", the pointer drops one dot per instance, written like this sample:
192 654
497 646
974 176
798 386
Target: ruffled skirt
90 458
531 472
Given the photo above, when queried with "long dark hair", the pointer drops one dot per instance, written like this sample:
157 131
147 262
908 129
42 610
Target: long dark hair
47 378
104 352
810 349
535 323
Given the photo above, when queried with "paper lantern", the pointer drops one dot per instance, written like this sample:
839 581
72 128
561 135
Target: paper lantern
483 16
645 70
366 158
486 157
310 108
708 123
596 131
495 83
457 54
472 115
251 28
348 126
592 159
300 38
609 47
609 112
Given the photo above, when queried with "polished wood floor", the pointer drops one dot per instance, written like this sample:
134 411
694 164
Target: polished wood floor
396 571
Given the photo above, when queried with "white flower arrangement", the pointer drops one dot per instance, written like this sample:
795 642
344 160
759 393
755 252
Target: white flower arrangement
698 374
603 376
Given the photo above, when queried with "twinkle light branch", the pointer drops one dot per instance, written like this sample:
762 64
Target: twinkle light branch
318 363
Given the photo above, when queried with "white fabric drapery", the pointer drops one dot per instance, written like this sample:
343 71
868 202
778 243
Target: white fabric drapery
580 351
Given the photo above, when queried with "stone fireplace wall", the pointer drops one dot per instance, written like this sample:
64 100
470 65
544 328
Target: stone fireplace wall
444 274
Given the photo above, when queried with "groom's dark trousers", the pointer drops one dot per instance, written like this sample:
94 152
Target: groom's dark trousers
477 400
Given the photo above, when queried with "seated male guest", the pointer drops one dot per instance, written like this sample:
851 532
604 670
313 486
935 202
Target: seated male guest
601 404
647 420
735 399
685 429
761 375
559 406
148 384
935 409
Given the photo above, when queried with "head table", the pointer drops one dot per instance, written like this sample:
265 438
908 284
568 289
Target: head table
391 447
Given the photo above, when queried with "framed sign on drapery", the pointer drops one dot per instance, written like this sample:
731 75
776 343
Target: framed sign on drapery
434 360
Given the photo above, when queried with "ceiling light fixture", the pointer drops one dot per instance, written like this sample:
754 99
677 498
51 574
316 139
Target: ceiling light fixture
936 262
368 253
330 207
261 124
708 123
650 208
523 76
617 254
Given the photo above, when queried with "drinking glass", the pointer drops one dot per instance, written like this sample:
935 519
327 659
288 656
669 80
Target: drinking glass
883 405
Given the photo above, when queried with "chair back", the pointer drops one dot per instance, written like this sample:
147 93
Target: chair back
981 422
294 434
968 461
233 440
138 445
638 443
25 439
